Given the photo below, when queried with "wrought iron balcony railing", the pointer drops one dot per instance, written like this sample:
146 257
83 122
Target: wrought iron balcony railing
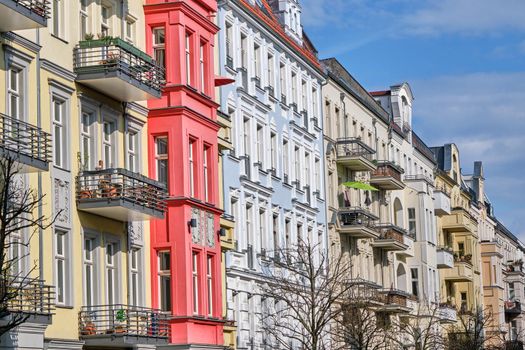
512 307
24 142
28 296
23 14
356 216
96 59
353 147
109 188
136 324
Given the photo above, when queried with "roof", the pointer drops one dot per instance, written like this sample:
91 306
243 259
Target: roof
336 71
262 11
381 93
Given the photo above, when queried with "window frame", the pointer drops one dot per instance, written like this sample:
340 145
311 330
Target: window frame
161 158
164 275
159 46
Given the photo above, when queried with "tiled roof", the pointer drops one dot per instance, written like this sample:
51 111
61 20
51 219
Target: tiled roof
380 93
263 12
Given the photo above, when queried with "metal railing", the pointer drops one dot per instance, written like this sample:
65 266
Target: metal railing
118 183
390 231
513 307
123 320
393 296
419 177
356 217
27 295
462 257
353 147
38 7
24 138
386 168
115 54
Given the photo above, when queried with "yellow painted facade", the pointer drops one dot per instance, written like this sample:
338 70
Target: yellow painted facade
49 90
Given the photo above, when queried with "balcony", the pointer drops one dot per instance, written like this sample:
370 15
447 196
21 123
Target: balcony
512 308
462 270
354 154
357 222
447 313
391 238
118 69
26 144
419 182
394 301
120 194
441 203
458 221
31 298
445 258
387 176
23 14
122 326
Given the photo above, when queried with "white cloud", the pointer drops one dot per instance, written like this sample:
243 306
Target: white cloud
484 114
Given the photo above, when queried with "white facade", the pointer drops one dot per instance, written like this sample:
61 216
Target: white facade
273 179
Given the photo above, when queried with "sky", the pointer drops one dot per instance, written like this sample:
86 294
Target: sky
465 62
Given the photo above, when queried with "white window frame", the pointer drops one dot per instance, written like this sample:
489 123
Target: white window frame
195 281
202 67
58 19
62 259
59 132
83 19
105 22
129 28
112 268
191 165
164 275
132 150
109 143
90 262
16 91
161 157
209 281
158 46
135 276
206 169
187 50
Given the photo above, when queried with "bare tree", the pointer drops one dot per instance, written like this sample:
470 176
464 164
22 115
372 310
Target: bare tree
302 293
363 325
471 331
422 330
18 204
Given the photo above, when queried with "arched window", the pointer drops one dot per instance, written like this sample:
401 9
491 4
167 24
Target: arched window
398 213
401 277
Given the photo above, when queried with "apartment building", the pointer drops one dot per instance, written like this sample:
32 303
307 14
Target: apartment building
273 175
460 285
73 85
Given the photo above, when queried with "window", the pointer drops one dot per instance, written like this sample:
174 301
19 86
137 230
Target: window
260 145
165 280
246 135
86 140
249 229
111 273
513 330
286 165
271 75
294 88
244 48
134 276
105 25
262 229
195 281
84 19
307 169
207 172
130 30
61 266
303 95
461 249
314 103
133 141
273 145
89 271
188 58
159 46
276 234
287 228
415 281
297 166
209 282
202 66
191 166
512 292
59 135
282 78
464 301
107 143
317 169
161 159
15 93
58 17
229 47
257 60
15 251
412 222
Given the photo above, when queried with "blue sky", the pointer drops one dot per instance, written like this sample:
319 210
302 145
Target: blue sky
465 61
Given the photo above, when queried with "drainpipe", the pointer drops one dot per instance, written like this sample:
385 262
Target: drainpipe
39 185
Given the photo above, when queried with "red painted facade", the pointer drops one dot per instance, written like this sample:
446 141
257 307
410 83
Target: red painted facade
185 117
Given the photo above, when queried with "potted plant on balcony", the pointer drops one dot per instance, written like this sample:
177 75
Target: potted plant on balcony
88 327
120 318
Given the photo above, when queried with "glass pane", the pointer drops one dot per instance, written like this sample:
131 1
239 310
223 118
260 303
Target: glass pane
159 36
57 110
87 249
134 259
162 146
165 263
110 287
134 289
60 281
60 243
89 289
162 168
14 107
58 145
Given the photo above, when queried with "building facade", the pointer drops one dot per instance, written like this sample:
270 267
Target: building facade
186 250
71 91
273 178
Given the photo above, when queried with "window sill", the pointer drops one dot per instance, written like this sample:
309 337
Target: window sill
66 307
